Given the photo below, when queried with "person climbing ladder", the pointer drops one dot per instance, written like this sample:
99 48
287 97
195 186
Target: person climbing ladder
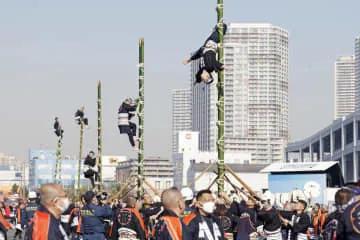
57 128
207 53
91 169
125 114
80 116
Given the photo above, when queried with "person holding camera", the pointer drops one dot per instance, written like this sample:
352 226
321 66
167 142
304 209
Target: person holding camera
92 216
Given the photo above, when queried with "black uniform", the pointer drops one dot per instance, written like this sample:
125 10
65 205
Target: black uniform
298 225
170 227
129 219
29 212
90 173
332 225
146 213
204 227
208 55
58 130
349 224
125 125
271 222
81 115
240 209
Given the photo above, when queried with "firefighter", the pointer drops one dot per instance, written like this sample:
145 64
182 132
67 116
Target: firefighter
80 116
349 224
170 225
299 223
270 220
58 128
129 223
19 220
188 196
207 54
125 114
92 217
202 223
31 208
148 209
91 169
46 224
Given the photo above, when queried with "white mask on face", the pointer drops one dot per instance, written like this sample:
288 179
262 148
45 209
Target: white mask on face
65 204
208 207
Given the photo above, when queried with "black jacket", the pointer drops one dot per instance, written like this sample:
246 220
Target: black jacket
90 161
299 223
127 108
127 219
349 224
270 219
199 226
240 209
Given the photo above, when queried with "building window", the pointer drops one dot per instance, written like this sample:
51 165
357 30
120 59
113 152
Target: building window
349 168
168 184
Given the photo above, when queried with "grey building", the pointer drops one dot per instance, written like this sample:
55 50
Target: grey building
344 86
337 142
357 72
181 114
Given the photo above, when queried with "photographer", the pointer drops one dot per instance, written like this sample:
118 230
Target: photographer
92 217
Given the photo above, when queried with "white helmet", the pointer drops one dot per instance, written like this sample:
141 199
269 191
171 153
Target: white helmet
187 194
32 195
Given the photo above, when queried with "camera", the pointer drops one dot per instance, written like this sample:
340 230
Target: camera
102 197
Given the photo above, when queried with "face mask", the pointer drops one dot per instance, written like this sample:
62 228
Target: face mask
65 205
208 207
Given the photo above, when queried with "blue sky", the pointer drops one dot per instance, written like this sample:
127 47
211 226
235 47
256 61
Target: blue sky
53 52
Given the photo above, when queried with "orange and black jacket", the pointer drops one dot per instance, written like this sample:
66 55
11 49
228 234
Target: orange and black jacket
170 227
4 225
44 226
315 223
129 218
20 217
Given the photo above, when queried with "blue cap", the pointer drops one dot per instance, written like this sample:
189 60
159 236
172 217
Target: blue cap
89 195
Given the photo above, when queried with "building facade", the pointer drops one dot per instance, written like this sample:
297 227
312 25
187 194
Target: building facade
42 168
357 72
345 81
158 172
256 92
11 161
181 113
337 142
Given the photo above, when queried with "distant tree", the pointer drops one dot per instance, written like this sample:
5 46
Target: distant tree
15 188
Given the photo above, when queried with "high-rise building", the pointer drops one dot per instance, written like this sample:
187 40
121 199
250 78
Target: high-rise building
181 113
344 86
256 94
204 110
357 73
